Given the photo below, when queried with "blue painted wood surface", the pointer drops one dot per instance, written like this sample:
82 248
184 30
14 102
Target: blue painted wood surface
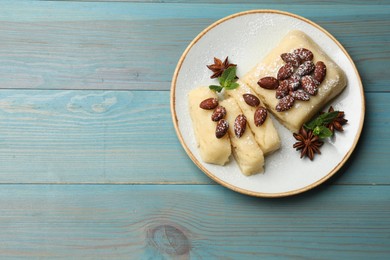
90 165
195 221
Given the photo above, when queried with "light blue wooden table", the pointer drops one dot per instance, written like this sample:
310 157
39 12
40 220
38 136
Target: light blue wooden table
91 167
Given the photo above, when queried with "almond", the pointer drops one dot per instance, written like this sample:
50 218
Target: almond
291 58
304 54
305 68
320 71
300 95
240 125
268 83
309 85
251 100
294 82
285 103
222 128
218 114
282 90
260 115
209 103
285 71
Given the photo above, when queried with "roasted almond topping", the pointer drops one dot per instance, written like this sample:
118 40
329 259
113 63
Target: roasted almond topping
294 82
291 58
320 71
285 71
305 68
268 83
251 100
218 114
240 125
209 103
309 85
222 128
260 115
282 90
300 95
304 54
285 103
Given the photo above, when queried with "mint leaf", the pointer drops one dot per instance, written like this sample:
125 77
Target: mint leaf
232 86
321 120
329 117
229 75
221 81
216 88
315 122
325 132
316 130
318 124
322 131
312 124
226 80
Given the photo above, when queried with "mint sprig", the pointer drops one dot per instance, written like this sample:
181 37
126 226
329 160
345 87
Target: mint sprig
216 88
322 131
227 80
318 124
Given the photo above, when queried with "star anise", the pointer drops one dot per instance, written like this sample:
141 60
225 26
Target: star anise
308 143
219 67
338 122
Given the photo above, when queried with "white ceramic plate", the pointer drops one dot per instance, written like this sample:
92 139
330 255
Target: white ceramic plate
246 38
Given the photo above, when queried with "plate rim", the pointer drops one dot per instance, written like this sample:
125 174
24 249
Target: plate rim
226 184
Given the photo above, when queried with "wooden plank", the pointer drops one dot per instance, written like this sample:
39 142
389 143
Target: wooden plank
279 2
74 45
86 136
192 221
128 137
31 11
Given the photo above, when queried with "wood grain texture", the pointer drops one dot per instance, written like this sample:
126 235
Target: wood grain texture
196 222
90 165
128 137
86 45
85 136
279 2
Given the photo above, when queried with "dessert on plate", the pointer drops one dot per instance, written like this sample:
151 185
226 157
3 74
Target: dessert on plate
296 79
265 134
212 149
246 151
293 82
